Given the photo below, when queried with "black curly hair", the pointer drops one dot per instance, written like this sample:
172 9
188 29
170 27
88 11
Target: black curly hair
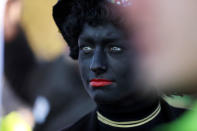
71 15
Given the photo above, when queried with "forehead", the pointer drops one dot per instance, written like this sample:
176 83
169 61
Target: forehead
101 31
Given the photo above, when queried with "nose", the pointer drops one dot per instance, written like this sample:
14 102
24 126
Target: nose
98 63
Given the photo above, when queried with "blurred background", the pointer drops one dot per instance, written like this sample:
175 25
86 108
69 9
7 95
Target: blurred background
42 87
41 31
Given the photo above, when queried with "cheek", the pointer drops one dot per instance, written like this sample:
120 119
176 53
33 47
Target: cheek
84 68
120 68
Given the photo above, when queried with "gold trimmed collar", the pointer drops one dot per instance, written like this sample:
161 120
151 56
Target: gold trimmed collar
129 124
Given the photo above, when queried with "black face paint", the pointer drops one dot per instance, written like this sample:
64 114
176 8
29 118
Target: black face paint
107 64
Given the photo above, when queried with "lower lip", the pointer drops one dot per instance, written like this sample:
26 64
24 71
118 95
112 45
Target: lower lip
100 83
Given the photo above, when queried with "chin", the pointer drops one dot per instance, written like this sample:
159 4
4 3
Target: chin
102 97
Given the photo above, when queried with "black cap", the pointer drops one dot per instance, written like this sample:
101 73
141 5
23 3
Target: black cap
61 10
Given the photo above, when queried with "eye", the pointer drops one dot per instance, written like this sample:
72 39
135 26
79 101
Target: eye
115 49
87 49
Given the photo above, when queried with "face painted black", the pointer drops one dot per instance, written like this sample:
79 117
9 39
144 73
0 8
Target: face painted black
105 54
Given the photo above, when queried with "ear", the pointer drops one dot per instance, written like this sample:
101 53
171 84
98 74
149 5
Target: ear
61 10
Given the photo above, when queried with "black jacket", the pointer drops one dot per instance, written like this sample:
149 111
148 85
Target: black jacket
90 122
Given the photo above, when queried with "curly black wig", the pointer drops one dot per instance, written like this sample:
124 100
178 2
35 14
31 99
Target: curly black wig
71 15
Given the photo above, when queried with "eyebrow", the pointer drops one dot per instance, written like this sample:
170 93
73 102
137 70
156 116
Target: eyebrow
86 39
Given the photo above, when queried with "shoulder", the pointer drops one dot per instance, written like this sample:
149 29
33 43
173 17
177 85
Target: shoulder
83 124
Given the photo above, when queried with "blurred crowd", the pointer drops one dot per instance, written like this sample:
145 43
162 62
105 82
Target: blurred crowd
38 89
42 88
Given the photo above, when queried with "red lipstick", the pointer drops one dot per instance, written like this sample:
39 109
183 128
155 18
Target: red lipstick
100 82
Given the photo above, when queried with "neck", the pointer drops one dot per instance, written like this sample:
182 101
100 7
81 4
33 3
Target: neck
130 110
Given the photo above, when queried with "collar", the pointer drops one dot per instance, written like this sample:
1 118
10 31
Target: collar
129 124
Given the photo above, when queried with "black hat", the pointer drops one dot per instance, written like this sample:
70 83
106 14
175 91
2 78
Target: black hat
61 10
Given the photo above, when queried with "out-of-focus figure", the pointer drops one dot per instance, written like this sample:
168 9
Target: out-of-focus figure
40 93
22 121
166 35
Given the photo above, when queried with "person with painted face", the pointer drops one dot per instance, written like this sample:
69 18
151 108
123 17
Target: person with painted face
98 39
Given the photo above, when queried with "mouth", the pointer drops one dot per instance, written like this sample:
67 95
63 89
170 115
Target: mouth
100 82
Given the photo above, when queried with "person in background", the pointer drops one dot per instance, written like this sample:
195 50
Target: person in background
43 90
167 41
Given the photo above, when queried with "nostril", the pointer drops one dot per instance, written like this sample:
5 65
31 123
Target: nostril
98 69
